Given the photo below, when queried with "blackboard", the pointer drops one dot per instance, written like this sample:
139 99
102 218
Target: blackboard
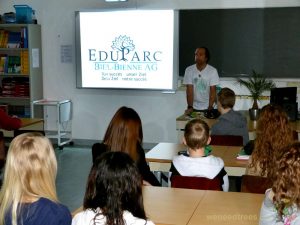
266 40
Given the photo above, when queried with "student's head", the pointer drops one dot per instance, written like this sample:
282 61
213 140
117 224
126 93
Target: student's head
196 134
226 98
202 55
114 184
287 178
124 132
272 133
30 172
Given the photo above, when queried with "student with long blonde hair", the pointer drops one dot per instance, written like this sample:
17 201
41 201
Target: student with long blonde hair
28 194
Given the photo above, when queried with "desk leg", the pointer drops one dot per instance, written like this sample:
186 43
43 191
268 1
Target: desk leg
158 175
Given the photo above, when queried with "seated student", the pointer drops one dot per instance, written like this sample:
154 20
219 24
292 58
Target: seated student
282 203
113 193
124 133
273 132
9 122
230 122
195 163
28 194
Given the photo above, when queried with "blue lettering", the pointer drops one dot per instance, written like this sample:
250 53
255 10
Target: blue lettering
112 56
92 56
100 55
135 56
146 56
155 57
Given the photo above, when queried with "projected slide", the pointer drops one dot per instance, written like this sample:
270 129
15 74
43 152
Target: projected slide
127 49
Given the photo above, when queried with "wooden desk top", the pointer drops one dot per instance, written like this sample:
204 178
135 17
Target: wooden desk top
170 205
30 121
164 153
232 208
193 207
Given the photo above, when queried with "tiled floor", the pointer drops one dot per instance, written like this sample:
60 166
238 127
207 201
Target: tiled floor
74 164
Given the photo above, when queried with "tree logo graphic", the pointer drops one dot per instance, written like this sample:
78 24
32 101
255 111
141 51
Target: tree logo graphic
124 45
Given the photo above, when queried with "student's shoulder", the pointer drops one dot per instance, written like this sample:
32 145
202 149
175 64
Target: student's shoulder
130 219
215 160
54 210
82 217
182 157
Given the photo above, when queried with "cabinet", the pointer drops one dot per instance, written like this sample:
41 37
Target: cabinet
21 80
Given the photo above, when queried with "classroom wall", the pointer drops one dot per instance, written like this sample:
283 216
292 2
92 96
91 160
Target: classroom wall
93 108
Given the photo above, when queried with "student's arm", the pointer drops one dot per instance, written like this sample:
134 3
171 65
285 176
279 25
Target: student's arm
268 213
144 169
97 150
212 96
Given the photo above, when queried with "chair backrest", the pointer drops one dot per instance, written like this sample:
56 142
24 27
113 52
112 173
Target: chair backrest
255 184
201 183
2 150
228 140
18 132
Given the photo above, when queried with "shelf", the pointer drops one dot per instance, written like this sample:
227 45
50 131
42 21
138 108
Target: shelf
13 25
13 49
15 98
28 74
13 75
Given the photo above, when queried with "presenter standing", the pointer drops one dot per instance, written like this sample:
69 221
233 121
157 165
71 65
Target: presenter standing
201 80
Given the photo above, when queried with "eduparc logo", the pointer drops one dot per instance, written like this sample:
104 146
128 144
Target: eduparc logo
124 50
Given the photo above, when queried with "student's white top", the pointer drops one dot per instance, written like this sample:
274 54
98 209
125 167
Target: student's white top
201 80
86 217
269 214
209 167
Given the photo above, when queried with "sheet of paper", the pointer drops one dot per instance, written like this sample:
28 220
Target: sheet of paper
35 58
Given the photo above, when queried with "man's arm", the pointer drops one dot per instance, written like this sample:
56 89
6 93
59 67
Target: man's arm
189 98
212 96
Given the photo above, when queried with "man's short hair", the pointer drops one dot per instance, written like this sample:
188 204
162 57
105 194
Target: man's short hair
207 53
226 97
196 133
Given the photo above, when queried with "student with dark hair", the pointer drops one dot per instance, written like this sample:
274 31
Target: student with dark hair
124 133
113 193
230 122
200 80
196 162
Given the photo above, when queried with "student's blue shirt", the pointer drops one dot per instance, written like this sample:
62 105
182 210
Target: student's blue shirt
42 212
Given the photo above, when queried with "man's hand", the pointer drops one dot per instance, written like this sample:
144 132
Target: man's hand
189 110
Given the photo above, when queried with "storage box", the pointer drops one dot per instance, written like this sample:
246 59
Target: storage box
23 14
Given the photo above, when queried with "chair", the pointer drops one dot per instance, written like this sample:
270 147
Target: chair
18 132
255 184
201 183
226 140
2 150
